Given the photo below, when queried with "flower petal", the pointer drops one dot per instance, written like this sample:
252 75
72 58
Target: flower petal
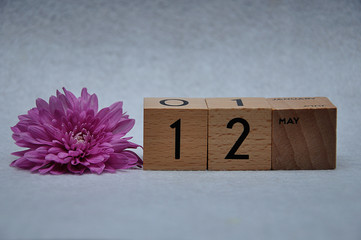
112 117
37 156
123 144
123 160
41 104
56 108
64 101
97 168
93 103
27 137
96 159
62 154
124 126
47 168
79 169
58 169
22 163
100 115
20 153
55 150
52 131
71 98
38 132
37 167
109 169
55 158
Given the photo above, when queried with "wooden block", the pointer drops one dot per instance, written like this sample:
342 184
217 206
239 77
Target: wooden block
239 134
175 134
303 133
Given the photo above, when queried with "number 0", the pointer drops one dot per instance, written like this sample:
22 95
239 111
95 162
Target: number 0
231 154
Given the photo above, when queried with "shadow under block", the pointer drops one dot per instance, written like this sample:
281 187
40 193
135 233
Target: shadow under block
304 133
175 134
239 134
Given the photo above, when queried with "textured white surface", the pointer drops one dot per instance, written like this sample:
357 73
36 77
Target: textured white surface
127 50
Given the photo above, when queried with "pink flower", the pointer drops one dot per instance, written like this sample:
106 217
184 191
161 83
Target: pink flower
69 135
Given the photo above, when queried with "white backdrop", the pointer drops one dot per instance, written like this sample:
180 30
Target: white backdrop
127 50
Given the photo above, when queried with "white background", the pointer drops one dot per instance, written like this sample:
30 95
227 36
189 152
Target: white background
127 50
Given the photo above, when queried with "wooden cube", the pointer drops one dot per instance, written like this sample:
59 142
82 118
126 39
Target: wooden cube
175 134
239 134
304 133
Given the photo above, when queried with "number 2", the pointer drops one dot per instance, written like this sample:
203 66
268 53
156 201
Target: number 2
231 154
177 126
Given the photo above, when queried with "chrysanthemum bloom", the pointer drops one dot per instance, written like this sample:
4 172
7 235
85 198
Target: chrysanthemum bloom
69 135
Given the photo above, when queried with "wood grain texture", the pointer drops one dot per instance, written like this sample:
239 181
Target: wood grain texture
159 137
306 143
257 112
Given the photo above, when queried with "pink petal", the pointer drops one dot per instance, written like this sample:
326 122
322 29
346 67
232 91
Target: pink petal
22 143
46 169
58 169
100 115
54 158
52 131
97 168
45 116
21 126
71 98
93 103
122 145
109 169
75 153
106 145
37 156
84 99
122 160
15 129
24 117
55 150
20 153
37 167
116 137
124 126
79 169
112 117
132 157
95 150
96 159
38 132
64 101
27 137
85 95
41 104
118 164
33 115
116 105
62 154
56 108
22 163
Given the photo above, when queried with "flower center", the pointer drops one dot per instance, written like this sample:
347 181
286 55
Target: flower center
82 136
79 137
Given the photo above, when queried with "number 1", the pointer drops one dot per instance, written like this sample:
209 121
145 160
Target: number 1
177 126
238 101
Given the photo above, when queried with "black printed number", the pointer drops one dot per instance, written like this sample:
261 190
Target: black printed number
231 154
177 126
238 101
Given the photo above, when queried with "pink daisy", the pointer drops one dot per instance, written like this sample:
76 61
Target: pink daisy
70 135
